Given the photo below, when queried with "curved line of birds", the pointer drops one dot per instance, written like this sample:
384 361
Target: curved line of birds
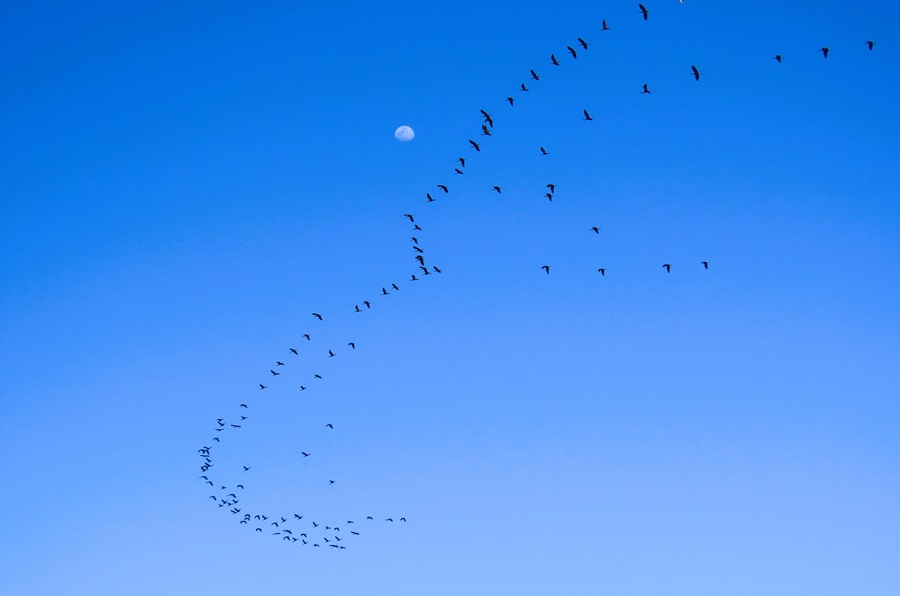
295 528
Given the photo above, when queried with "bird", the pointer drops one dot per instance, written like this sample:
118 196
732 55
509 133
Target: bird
572 51
595 229
331 482
534 75
544 151
305 454
777 58
604 25
587 116
511 100
384 292
330 354
366 302
554 60
414 278
261 386
414 239
549 196
329 425
246 468
457 171
354 533
485 131
306 335
317 315
870 44
524 88
236 425
474 144
668 267
403 519
705 264
824 52
411 218
583 43
497 188
279 363
356 307
429 197
552 187
695 72
546 268
302 388
294 352
389 519
644 11
646 89
487 118
243 405
436 269
443 188
317 376
352 345
274 374
462 161
602 272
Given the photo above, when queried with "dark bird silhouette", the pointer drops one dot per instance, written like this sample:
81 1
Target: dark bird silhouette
487 118
870 44
277 363
546 268
437 269
356 308
457 171
552 187
274 374
414 239
414 278
306 335
416 227
497 188
302 388
243 405
354 533
583 43
595 229
777 57
549 196
389 519
317 376
705 264
587 116
485 131
511 100
695 72
646 89
421 259
331 482
366 302
602 272
554 60
824 52
305 454
246 468
236 425
294 352
429 197
352 345
317 315
443 188
644 11
330 354
411 218
668 267
403 519
604 25
474 144
329 425
524 88
572 51
261 386
534 75
462 161
384 292
544 151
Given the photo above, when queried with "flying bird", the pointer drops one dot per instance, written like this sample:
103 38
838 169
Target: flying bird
870 44
668 267
356 307
474 144
274 374
485 131
330 354
306 335
587 116
317 315
246 468
824 52
646 89
644 11
554 60
705 264
604 25
443 188
329 425
572 51
534 75
549 196
305 454
487 118
602 272
411 219
511 100
546 268
524 88
497 188
583 43
695 72
366 302
278 363
352 345
462 161
457 171
384 292
777 57
429 197
294 352
544 151
436 269
261 386
595 229
552 187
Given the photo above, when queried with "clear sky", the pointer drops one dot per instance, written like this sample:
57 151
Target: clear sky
182 185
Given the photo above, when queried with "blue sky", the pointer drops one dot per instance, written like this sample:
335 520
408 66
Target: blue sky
181 186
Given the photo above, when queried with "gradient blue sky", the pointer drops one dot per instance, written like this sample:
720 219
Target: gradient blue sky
181 185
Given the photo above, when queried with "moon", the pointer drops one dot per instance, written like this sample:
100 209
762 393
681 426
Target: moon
404 134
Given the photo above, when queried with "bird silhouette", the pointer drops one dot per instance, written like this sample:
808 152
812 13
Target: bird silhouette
534 75
705 264
644 11
317 376
572 51
437 269
305 454
485 131
595 229
331 482
308 338
824 52
352 345
583 43
870 44
497 188
602 272
668 267
554 60
330 354
695 72
474 144
329 425
587 116
646 89
546 268
317 315
552 187
384 292
261 386
243 405
544 151
294 352
278 363
511 100
777 58
524 88
414 278
487 118
457 171
443 188
429 197
356 308
246 468
274 374
366 302
549 196
604 26
410 217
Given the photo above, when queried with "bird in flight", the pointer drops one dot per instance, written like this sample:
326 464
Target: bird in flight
317 315
474 144
411 219
274 374
549 196
243 405
462 161
279 363
487 118
246 468
305 454
366 302
261 386
524 88
511 100
583 43
552 187
602 272
485 131
595 229
544 151
705 264
306 335
546 268
644 11
604 25
497 188
668 267
572 51
294 352
330 354
870 44
777 58
695 72
587 116
384 292
329 425
646 89
554 60
352 345
444 188
534 75
457 171
429 197
824 52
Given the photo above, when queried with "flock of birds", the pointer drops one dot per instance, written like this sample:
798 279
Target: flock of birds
295 528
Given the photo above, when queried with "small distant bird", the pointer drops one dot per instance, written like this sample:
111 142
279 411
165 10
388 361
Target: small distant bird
462 161
306 335
485 131
595 229
497 188
511 100
544 151
705 264
546 268
279 363
668 267
352 345
437 269
293 351
389 519
824 52
356 307
524 88
329 425
604 25
330 482
317 315
429 197
587 116
695 72
305 454
366 302
274 374
474 144
552 187
583 43
572 51
444 188
410 217
549 196
554 60
384 292
646 89
243 405
414 278
534 75
457 171
261 386
870 44
330 354
487 118
317 376
246 468
602 272
777 58
302 388
644 11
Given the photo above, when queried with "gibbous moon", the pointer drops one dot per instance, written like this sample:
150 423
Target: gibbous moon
404 134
